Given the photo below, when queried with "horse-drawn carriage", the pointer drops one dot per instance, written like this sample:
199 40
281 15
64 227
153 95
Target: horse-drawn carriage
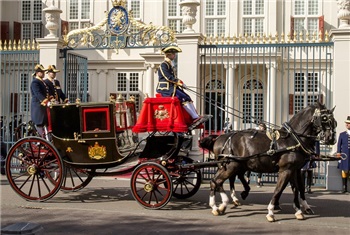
98 139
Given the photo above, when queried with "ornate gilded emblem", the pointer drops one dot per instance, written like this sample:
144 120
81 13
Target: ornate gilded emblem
161 113
97 152
69 150
118 21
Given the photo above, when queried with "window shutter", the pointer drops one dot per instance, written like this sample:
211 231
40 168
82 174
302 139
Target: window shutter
5 31
291 28
64 27
291 100
17 30
321 26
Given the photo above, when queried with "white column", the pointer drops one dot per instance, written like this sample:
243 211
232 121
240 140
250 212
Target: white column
188 71
271 93
341 95
230 78
150 79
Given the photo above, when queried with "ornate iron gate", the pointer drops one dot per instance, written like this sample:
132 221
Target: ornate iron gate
245 84
75 76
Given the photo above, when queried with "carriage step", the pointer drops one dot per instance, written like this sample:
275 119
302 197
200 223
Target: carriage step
199 121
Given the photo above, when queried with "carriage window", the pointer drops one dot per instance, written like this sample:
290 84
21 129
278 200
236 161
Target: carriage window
96 119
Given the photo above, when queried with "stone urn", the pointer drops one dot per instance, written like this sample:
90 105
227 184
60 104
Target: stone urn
52 16
343 13
189 12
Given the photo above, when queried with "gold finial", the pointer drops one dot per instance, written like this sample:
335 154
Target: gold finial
276 38
10 45
270 38
216 40
222 39
252 38
211 39
264 38
28 45
23 45
117 3
258 38
14 45
295 37
111 98
282 37
33 45
0 45
240 38
5 45
205 39
234 39
288 37
307 36
301 37
326 36
320 39
314 37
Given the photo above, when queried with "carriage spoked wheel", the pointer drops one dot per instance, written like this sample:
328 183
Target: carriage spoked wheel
76 179
30 165
151 185
186 182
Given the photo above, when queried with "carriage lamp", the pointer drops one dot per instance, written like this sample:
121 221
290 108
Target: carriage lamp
120 106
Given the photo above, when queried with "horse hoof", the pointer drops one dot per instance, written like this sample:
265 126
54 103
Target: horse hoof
270 218
277 208
236 203
222 209
308 211
215 212
299 216
244 194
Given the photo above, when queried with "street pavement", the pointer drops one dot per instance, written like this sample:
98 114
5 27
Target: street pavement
106 206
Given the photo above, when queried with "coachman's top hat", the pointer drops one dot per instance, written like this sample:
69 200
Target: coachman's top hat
52 69
171 49
348 120
39 68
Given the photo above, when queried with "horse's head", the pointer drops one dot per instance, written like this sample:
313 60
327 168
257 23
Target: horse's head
208 142
317 121
324 124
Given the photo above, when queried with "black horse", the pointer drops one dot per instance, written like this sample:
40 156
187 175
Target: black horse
285 152
208 144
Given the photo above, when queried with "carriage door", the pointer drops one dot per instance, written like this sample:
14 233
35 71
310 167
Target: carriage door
215 104
252 102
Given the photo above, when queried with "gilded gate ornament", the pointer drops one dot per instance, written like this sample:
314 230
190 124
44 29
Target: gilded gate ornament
97 152
161 113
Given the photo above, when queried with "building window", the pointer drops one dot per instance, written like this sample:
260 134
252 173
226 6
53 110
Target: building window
215 17
79 14
31 25
307 90
253 101
128 86
253 17
306 16
136 7
175 16
24 92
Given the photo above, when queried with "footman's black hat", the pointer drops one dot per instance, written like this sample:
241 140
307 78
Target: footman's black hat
171 49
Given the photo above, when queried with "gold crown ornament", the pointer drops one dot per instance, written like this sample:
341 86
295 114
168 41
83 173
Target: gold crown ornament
117 3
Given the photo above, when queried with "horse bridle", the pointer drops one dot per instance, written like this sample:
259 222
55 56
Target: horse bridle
323 120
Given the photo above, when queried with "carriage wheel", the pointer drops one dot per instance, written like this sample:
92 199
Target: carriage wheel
151 185
30 164
187 182
76 179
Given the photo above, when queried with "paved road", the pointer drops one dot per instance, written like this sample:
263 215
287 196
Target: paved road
106 206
